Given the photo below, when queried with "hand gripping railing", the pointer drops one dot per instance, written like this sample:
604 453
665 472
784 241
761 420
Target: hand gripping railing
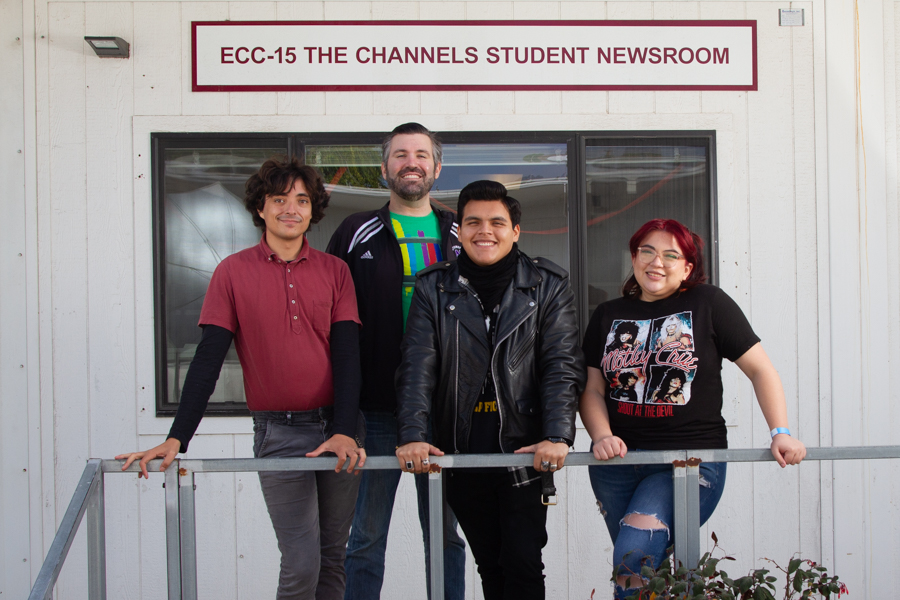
181 541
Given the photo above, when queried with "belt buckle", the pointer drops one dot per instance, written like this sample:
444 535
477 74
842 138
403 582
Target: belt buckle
548 499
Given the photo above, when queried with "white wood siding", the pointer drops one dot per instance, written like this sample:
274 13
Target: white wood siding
809 246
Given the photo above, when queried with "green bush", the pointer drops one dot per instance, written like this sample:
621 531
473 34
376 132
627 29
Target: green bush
803 579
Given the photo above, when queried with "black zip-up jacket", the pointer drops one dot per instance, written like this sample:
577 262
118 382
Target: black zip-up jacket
366 242
537 364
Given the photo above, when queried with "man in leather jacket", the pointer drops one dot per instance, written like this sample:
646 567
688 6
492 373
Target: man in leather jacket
491 355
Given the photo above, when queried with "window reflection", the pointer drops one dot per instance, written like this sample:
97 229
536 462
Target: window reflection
627 184
536 174
205 221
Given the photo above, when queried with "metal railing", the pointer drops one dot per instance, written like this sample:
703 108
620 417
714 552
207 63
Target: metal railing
181 537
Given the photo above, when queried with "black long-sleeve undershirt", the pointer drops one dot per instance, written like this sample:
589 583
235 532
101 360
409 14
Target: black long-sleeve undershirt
200 382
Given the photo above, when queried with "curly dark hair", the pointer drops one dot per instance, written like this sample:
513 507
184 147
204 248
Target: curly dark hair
624 376
278 175
670 376
629 327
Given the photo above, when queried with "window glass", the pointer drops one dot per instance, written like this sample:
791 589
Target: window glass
352 175
205 221
535 174
629 182
200 216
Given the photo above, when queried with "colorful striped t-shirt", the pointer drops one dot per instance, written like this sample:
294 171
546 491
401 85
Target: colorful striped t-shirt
420 246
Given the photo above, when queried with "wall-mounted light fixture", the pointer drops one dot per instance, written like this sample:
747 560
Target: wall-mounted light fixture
108 46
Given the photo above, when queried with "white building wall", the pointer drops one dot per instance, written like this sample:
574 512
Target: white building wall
808 227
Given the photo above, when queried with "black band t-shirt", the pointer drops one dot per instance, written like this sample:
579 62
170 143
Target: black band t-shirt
662 362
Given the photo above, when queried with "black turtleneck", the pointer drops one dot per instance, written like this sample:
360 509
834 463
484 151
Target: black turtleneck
491 281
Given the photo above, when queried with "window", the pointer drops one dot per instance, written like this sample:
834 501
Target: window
582 197
630 180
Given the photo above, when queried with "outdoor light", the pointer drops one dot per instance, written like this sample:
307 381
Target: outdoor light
108 46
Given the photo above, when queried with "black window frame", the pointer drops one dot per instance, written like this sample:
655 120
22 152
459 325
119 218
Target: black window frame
295 143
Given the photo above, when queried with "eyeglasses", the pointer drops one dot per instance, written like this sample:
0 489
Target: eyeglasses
647 254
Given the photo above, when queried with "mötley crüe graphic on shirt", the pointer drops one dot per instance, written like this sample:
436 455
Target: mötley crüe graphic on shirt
651 361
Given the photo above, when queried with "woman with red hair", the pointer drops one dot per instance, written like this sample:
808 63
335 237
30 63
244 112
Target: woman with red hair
666 297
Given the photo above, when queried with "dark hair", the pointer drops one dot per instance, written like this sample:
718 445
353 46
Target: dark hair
623 375
669 376
437 150
691 246
629 327
484 190
278 175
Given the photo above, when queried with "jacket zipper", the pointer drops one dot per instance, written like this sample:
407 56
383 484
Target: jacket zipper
456 392
494 378
514 361
493 370
477 299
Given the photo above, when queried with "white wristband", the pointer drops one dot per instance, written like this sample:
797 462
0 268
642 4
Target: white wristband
778 430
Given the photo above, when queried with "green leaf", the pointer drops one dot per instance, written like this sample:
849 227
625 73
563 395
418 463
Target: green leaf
647 572
794 565
798 583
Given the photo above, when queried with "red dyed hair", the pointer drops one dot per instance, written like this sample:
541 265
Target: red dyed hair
691 246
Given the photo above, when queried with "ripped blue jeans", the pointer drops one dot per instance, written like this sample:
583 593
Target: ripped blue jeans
646 490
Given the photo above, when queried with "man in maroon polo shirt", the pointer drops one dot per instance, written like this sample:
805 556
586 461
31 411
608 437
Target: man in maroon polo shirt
291 311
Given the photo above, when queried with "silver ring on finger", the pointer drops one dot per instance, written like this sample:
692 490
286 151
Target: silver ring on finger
553 467
425 462
409 465
545 464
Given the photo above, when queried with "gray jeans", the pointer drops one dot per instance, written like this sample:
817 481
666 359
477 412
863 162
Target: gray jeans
311 511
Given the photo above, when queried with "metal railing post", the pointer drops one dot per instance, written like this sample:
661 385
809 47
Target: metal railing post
188 546
692 502
62 541
686 480
173 532
96 541
436 535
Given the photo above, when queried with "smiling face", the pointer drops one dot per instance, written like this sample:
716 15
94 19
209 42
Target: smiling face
656 280
287 215
486 231
410 169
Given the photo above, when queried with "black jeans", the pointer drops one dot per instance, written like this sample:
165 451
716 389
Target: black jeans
506 529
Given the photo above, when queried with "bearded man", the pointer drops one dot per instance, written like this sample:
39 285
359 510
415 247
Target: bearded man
384 249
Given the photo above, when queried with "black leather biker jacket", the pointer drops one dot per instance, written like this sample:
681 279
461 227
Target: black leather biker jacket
538 367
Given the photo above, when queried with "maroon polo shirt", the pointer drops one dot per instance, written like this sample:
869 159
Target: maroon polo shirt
281 315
